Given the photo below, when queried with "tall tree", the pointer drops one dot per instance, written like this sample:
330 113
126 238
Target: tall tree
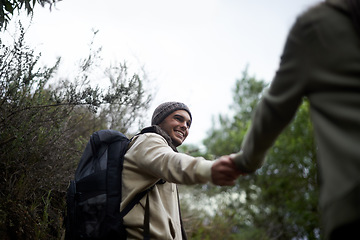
288 190
227 137
279 201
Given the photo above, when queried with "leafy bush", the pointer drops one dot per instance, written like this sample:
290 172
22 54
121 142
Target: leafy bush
43 130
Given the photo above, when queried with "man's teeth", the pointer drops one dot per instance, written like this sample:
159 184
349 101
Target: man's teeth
180 133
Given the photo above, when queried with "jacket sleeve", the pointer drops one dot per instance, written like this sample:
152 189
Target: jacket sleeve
152 154
279 103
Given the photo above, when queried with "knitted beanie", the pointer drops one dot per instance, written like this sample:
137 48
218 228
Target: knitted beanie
165 109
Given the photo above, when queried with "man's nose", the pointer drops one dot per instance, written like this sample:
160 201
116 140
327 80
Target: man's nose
184 125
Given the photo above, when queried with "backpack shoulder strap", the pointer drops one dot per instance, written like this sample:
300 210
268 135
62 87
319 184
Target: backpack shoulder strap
137 199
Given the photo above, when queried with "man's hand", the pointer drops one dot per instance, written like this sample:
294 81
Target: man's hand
224 172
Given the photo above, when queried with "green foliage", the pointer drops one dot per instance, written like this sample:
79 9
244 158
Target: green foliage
288 182
228 137
7 8
43 131
202 212
280 200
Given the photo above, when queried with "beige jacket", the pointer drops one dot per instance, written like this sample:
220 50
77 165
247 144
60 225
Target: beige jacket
149 159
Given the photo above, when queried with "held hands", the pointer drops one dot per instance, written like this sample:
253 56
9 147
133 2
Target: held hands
224 172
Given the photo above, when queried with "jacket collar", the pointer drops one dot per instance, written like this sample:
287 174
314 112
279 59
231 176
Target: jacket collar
158 130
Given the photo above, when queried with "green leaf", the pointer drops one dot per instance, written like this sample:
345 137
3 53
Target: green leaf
8 6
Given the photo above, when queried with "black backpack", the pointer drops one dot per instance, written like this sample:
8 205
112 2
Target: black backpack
94 196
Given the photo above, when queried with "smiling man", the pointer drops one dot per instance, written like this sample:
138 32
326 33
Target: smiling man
153 160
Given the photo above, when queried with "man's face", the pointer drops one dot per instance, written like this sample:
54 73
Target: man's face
177 125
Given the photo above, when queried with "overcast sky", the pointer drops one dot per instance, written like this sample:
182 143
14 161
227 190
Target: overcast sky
193 51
